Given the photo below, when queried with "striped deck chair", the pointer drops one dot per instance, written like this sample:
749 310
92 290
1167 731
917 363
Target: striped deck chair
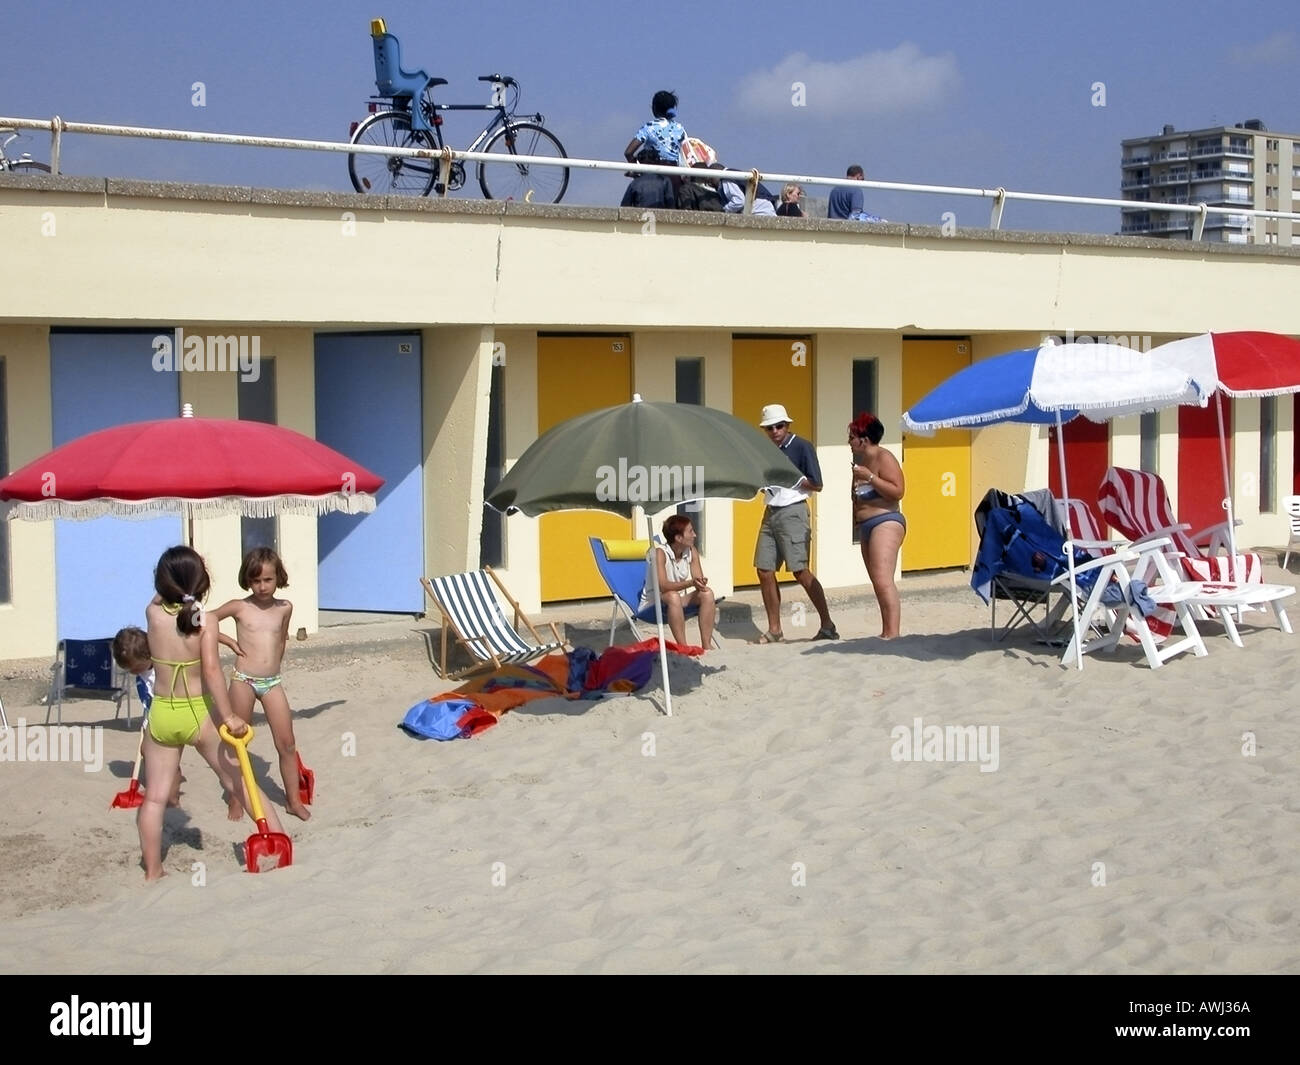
1136 503
1103 624
471 612
1077 516
1213 597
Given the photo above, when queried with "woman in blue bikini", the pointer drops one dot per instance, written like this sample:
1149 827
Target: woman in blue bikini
877 489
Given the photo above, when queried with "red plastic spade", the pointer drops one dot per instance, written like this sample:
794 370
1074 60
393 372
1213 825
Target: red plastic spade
264 850
306 783
132 797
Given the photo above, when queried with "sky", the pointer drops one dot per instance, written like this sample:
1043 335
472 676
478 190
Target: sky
1033 97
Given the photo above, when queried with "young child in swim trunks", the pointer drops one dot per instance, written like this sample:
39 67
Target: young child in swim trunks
262 630
189 698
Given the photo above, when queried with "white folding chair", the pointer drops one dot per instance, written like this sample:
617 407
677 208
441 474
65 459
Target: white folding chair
470 611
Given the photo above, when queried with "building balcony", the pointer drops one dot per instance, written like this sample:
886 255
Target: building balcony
1135 183
1228 221
1136 160
1180 153
1177 177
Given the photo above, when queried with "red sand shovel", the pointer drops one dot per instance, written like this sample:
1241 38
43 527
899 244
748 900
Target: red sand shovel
132 797
264 850
306 783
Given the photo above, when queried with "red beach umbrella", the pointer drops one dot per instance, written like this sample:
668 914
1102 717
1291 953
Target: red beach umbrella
1236 364
1239 364
192 466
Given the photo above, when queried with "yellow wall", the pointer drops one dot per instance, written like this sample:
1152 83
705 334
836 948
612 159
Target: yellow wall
27 621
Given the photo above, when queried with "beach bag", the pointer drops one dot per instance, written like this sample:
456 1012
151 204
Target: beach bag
447 719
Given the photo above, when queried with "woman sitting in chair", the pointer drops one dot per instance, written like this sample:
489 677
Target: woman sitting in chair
681 580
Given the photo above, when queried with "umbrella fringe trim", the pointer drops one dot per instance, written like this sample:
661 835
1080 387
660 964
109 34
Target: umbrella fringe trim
983 418
146 509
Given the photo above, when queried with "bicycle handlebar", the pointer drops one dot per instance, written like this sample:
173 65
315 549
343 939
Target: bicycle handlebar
505 79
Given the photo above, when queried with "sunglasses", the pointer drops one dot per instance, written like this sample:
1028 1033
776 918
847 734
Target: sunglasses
778 425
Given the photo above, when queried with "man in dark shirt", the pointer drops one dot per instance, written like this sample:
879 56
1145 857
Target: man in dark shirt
786 533
650 190
846 201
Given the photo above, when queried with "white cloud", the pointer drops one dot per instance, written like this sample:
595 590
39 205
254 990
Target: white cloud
877 83
1280 47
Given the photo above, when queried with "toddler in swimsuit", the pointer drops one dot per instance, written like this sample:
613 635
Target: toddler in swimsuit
262 630
189 698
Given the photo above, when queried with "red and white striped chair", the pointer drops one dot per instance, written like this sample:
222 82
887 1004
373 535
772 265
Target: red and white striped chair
1136 503
1077 518
1213 596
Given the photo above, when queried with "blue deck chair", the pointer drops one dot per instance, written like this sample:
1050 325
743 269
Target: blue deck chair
87 665
622 566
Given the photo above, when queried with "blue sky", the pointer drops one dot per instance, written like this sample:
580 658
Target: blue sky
938 93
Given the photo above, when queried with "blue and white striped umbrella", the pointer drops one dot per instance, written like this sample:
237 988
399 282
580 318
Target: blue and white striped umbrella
1055 382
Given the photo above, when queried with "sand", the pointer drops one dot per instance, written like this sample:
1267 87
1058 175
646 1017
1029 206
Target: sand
766 827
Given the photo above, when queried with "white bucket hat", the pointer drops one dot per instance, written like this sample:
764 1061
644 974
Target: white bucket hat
772 414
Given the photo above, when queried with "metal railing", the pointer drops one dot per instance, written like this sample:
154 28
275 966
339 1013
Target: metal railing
57 126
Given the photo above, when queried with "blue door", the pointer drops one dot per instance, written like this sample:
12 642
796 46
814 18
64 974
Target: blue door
368 408
104 568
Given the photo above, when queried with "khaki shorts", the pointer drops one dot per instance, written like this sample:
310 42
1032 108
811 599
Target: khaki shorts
785 536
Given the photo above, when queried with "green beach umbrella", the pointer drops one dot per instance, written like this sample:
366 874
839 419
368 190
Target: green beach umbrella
651 455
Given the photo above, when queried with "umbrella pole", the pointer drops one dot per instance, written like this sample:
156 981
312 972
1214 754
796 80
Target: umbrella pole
1069 542
1227 488
659 615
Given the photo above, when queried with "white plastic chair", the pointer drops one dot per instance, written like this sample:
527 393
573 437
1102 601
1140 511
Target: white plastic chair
1291 505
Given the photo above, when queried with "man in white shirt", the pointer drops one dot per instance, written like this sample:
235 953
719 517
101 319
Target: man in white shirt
785 535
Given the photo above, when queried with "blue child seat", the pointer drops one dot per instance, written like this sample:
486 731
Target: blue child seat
390 78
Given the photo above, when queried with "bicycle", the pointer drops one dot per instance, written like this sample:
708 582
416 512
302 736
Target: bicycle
24 164
396 121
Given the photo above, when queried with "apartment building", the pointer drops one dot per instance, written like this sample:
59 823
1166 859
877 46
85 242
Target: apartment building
1246 165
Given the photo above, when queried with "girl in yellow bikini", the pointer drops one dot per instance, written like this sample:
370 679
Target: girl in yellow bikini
183 643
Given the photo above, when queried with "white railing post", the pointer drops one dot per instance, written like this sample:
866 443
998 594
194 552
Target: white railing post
999 201
1198 223
56 142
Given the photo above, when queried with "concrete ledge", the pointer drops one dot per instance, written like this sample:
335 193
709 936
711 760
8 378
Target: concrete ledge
510 209
50 183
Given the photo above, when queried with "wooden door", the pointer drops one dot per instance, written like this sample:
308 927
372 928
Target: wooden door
1200 465
936 468
1087 458
767 371
575 375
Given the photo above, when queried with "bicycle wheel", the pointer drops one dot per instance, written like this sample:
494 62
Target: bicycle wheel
29 166
522 181
392 174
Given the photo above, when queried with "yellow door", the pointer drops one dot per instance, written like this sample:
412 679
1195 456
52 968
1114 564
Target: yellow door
762 372
936 468
576 375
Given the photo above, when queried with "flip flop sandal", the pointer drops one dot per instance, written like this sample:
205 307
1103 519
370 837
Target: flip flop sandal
826 634
769 637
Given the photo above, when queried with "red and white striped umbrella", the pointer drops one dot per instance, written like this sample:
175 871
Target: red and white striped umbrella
1238 364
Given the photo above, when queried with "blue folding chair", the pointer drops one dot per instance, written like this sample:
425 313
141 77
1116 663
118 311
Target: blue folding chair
87 665
624 576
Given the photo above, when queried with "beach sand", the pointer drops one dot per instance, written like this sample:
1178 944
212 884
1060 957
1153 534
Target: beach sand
765 827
